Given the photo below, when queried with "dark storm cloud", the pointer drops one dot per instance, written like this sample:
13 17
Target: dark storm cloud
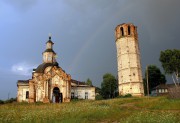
157 27
83 33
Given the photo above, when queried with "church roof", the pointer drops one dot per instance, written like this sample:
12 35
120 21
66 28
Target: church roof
49 41
79 84
164 86
23 82
49 50
160 86
43 66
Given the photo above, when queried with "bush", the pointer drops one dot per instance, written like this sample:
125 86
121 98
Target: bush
75 99
124 96
38 103
11 100
99 97
1 102
128 95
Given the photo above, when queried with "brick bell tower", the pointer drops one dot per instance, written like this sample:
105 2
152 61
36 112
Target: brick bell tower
128 59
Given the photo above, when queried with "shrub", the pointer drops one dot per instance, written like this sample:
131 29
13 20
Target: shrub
75 99
128 95
11 100
99 97
38 103
124 96
1 102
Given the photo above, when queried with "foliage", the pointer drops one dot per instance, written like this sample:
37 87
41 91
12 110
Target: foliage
98 90
98 94
37 103
138 110
128 95
155 77
1 102
11 100
108 86
170 60
124 96
75 99
89 82
99 97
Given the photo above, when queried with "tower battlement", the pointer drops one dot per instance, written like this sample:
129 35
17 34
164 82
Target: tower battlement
124 30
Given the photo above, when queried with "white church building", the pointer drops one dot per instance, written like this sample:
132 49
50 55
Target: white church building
51 84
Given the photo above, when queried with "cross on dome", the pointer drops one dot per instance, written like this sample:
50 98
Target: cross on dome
50 35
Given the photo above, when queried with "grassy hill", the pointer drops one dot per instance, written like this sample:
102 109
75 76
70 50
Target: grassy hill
125 110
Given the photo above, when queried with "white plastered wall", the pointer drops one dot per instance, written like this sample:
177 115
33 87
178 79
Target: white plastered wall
80 92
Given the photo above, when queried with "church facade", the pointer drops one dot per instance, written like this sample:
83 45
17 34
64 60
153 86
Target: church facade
50 83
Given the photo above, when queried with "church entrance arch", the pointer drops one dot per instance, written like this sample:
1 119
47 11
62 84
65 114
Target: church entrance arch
57 96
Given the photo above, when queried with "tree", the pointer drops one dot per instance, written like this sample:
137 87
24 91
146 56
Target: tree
98 93
97 90
155 77
108 86
89 82
1 102
170 60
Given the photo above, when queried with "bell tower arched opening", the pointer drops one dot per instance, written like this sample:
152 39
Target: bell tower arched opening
122 31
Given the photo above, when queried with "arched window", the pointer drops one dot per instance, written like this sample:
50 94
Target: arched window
129 30
27 94
122 31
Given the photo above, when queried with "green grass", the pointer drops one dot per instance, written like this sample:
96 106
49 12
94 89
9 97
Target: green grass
125 110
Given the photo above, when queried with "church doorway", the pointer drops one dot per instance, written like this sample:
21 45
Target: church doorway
57 95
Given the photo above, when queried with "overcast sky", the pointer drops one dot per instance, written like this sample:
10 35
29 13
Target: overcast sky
83 35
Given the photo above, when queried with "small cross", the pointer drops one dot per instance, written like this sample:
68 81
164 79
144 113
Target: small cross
50 35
